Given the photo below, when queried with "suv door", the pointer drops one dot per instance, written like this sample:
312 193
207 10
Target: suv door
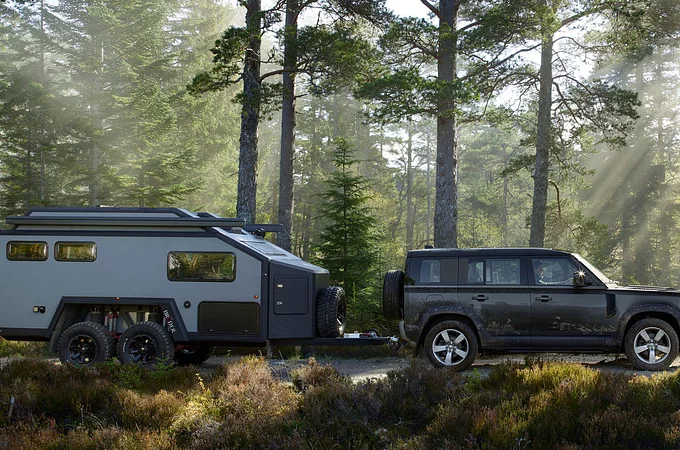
565 316
494 290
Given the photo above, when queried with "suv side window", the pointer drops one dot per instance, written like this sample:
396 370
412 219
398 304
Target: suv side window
434 270
553 271
492 271
502 271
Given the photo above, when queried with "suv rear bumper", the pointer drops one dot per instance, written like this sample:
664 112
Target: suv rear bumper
402 332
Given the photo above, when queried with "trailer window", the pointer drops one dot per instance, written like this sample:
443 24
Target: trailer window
26 251
201 266
75 251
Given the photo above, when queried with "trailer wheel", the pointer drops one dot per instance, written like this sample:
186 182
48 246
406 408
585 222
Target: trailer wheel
187 356
85 343
146 344
393 295
331 312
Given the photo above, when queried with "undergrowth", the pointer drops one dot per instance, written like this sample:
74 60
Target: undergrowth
22 349
242 405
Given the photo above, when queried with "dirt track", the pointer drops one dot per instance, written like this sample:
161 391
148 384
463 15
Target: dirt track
361 369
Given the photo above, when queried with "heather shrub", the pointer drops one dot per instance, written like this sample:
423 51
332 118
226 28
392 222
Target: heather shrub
160 377
552 405
22 349
532 405
373 413
409 397
243 406
337 412
315 374
151 412
65 393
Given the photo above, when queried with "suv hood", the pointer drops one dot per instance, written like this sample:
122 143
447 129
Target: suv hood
638 287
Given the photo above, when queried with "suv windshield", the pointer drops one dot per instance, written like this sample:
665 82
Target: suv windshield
602 277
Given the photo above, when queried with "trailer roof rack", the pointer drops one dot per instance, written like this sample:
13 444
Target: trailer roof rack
65 220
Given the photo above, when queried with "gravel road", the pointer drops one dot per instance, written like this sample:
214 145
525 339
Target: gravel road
361 369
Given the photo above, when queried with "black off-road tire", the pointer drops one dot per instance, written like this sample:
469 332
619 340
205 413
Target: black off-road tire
393 295
187 356
331 312
146 344
451 343
651 344
86 343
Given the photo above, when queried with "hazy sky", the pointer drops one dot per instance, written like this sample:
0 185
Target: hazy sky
407 7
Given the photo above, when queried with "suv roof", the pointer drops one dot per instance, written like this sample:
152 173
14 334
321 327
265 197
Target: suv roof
518 251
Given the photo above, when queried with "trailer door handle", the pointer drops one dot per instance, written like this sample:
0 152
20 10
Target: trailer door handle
480 298
544 298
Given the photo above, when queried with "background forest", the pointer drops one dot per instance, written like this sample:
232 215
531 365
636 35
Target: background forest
102 102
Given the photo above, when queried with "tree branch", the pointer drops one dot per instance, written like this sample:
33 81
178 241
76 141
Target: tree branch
499 62
431 7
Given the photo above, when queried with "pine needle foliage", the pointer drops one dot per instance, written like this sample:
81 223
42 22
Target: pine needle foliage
348 242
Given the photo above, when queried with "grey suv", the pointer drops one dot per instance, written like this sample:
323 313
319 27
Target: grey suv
456 303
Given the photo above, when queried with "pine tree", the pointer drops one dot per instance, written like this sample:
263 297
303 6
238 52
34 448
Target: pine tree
347 245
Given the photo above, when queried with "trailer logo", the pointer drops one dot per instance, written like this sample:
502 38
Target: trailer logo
168 321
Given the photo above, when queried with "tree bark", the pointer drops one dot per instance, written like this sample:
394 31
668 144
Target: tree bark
446 199
540 175
286 202
250 117
95 151
428 228
409 189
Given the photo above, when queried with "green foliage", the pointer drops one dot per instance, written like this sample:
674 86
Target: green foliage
333 56
227 62
347 244
91 91
537 404
22 349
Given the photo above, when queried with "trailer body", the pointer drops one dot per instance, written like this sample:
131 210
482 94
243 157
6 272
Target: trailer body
203 279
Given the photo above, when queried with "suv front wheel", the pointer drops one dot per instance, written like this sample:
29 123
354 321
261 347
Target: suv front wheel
651 344
451 343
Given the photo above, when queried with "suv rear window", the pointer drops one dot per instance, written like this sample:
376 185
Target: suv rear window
434 270
491 271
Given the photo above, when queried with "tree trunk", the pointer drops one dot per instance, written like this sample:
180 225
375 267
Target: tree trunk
428 227
506 194
43 81
250 118
95 151
286 203
540 175
409 189
446 199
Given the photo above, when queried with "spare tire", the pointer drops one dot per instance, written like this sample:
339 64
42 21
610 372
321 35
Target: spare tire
331 312
393 295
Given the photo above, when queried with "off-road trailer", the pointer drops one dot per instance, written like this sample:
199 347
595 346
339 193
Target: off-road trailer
155 283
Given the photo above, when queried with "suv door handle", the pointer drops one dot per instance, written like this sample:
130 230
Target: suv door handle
480 298
544 298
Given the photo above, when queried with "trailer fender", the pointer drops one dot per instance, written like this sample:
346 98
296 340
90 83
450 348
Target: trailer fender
75 309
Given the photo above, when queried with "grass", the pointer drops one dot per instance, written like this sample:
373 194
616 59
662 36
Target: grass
242 405
22 349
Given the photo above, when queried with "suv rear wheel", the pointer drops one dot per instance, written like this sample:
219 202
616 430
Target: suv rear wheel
451 343
651 344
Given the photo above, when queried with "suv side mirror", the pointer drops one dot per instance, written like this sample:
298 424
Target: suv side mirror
581 279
